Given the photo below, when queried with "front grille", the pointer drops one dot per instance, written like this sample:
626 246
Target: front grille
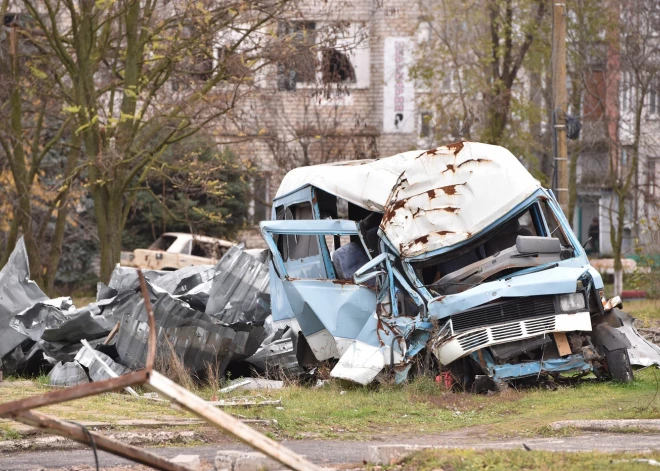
473 339
536 326
507 331
503 311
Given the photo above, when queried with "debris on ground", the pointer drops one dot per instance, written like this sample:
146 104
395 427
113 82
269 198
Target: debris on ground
206 315
246 402
252 384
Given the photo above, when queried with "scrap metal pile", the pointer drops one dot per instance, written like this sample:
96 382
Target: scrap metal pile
205 314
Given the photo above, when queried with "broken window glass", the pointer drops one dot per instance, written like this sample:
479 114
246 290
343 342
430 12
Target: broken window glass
488 257
296 247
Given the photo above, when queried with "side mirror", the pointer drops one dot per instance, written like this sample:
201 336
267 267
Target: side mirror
363 274
535 244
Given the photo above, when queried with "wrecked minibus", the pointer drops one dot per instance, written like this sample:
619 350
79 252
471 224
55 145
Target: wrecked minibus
455 254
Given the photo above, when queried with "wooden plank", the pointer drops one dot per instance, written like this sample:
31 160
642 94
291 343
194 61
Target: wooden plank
231 425
562 344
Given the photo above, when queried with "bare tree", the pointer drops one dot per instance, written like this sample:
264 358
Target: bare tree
33 143
471 64
136 76
636 47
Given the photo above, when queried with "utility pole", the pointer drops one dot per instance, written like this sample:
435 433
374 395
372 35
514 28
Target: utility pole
559 103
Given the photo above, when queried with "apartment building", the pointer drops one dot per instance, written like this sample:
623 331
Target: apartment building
352 97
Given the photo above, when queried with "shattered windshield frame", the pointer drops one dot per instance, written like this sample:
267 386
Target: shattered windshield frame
547 222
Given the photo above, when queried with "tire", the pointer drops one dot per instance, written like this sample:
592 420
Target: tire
618 365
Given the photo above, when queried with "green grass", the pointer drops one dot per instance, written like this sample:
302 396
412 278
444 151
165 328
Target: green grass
421 407
342 411
495 460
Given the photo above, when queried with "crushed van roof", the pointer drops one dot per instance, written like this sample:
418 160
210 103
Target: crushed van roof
430 199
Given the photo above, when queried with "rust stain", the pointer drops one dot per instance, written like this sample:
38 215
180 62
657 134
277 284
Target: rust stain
421 240
479 161
449 167
450 209
342 282
391 211
447 190
380 327
432 152
456 147
443 233
451 189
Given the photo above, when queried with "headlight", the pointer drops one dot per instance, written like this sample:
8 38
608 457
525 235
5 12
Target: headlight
571 302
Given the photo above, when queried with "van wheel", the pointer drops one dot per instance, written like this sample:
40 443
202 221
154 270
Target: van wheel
618 365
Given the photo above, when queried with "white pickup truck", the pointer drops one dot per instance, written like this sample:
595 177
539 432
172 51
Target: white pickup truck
174 250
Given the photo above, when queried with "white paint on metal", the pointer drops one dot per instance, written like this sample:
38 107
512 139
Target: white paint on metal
431 199
366 183
451 193
323 345
362 362
451 350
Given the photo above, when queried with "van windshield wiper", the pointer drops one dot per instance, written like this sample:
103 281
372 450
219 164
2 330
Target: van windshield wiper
547 267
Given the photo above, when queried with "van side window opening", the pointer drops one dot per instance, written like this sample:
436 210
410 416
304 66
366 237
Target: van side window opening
296 247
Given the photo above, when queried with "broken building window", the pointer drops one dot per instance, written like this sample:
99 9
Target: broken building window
653 178
300 64
323 53
336 67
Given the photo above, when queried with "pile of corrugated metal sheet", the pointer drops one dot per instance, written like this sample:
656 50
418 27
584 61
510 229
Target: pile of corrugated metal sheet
207 315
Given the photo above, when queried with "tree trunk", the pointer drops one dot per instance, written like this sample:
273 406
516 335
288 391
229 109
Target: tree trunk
616 237
497 116
17 163
60 224
109 217
12 238
618 280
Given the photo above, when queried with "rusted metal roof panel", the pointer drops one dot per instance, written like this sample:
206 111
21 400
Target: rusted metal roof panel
451 193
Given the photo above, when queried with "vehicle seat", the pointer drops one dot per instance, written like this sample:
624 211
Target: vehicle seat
506 237
372 241
347 259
